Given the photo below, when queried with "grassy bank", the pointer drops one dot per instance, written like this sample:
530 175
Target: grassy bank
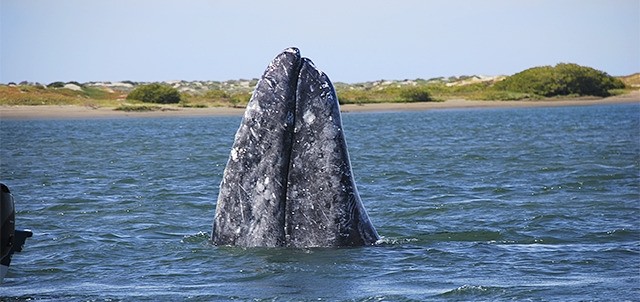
227 94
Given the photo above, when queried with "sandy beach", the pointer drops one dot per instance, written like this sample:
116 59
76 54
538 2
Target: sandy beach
80 112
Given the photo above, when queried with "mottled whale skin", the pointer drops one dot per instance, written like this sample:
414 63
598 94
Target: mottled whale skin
250 207
323 207
288 181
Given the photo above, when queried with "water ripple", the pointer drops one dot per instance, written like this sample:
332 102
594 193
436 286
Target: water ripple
506 204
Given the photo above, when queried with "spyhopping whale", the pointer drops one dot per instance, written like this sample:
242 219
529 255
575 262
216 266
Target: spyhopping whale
288 181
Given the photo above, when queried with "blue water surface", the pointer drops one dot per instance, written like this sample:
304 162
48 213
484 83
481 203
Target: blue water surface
538 204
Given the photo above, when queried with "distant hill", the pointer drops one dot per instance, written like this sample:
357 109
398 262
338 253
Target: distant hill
632 81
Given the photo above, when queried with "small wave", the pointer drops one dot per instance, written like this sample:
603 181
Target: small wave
399 298
479 235
198 237
383 241
462 236
551 217
615 235
473 291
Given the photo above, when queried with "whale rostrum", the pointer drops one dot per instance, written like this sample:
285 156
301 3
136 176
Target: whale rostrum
288 181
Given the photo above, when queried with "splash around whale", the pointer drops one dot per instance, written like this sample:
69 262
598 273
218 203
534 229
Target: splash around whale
288 181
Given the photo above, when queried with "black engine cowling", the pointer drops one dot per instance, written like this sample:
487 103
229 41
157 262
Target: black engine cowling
11 240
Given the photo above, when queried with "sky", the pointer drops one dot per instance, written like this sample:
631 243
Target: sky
352 41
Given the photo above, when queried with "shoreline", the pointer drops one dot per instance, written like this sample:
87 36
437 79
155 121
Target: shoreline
83 112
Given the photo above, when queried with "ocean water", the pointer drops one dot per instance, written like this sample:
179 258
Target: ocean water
539 204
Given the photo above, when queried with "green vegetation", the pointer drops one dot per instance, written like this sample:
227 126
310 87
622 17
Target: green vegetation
561 80
565 80
534 83
215 98
434 90
155 93
56 85
383 94
36 94
416 94
138 108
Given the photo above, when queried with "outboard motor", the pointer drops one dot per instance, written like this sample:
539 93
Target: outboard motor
11 240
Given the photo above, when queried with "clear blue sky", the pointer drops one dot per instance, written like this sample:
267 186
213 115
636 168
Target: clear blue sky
352 41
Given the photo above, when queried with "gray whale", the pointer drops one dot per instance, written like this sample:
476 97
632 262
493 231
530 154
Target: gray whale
288 181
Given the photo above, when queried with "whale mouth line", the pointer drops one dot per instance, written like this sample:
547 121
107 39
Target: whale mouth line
288 180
